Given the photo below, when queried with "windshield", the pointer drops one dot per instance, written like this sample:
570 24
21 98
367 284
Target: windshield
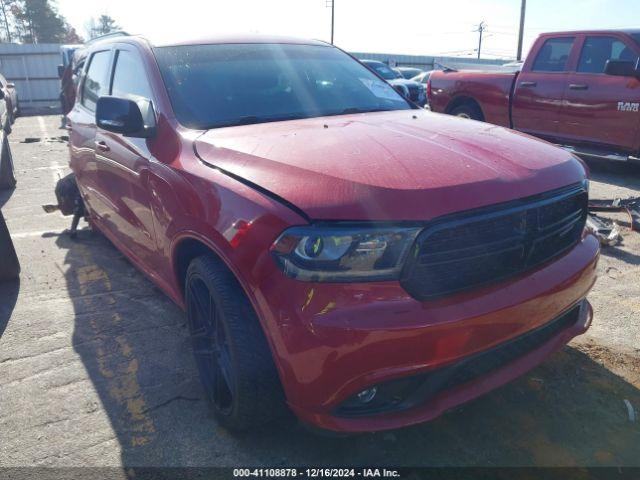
238 84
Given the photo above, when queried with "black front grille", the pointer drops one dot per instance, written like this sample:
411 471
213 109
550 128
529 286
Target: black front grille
492 244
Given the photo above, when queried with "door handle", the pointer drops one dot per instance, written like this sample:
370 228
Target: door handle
528 84
578 86
102 146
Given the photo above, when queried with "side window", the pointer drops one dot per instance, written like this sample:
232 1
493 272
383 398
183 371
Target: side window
96 83
553 55
597 50
129 78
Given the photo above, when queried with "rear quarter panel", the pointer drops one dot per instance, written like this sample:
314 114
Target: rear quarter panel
490 90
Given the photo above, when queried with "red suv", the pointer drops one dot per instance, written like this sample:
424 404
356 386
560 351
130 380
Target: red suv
336 249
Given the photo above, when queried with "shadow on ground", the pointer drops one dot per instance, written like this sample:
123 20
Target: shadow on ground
8 297
615 173
132 340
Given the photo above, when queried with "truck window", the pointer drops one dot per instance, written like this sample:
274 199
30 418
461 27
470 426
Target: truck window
96 83
597 50
553 55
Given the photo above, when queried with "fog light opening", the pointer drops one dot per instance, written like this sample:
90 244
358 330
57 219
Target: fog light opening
366 396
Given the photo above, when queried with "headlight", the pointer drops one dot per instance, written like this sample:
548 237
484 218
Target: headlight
337 253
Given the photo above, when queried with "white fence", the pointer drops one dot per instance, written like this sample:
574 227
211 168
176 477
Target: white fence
34 70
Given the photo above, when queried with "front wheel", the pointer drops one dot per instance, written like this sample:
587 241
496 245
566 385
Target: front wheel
231 352
467 111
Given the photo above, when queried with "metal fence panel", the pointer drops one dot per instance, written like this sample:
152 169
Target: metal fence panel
34 70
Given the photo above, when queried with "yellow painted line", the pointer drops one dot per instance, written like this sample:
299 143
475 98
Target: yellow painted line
118 366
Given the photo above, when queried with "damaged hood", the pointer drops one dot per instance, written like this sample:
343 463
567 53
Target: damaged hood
401 165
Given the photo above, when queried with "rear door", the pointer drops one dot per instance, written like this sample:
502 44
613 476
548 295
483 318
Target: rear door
540 87
599 110
123 164
81 121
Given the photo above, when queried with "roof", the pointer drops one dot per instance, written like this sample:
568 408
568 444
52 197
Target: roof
628 31
167 40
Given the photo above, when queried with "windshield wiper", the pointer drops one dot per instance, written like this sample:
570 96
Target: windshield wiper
349 110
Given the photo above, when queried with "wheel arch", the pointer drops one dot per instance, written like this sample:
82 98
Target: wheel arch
191 245
461 100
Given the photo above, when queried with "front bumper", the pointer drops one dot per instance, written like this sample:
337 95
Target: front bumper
331 341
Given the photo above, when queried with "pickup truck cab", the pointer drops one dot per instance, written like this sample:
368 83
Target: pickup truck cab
580 90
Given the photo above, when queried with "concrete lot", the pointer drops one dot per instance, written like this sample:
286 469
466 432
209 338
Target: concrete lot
96 368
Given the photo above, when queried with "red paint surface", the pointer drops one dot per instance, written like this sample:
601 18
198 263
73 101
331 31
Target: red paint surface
329 341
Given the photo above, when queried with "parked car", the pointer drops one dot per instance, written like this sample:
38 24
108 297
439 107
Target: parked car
10 97
334 246
576 89
7 174
417 92
423 77
408 72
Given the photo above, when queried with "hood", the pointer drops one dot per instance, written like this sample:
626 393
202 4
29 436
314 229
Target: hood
401 165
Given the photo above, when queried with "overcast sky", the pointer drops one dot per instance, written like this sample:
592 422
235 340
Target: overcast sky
386 26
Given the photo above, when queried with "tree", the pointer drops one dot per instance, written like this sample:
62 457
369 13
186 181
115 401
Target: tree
71 35
103 25
38 21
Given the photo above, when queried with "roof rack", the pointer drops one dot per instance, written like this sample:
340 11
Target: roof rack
119 33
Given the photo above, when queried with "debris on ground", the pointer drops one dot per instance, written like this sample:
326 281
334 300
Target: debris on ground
630 205
606 231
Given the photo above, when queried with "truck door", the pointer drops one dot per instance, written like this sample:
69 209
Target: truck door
602 111
539 89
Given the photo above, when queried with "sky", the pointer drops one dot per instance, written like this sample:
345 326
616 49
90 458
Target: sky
419 27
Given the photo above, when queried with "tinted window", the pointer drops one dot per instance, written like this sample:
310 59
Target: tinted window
129 78
597 50
553 55
96 84
238 84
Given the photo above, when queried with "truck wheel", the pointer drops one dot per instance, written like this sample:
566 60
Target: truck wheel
7 175
231 352
468 110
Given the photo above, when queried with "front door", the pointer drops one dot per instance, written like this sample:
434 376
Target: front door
123 165
540 87
603 111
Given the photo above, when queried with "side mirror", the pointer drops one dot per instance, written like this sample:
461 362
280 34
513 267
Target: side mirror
621 68
60 71
125 116
11 85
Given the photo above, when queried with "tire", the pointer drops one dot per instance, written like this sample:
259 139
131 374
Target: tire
7 174
468 110
231 352
9 264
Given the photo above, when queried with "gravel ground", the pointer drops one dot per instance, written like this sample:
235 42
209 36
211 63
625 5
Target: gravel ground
96 370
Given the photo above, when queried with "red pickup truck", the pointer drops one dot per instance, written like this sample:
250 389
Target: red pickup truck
580 90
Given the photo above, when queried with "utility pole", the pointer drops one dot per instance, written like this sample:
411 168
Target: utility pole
481 28
331 3
523 7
